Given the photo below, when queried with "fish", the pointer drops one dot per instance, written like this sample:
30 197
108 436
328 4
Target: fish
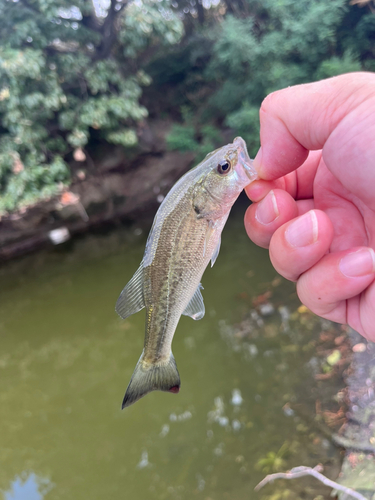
184 238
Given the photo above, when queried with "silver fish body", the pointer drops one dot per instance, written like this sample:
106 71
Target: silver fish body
185 236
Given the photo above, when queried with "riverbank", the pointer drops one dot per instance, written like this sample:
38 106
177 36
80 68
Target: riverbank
118 186
357 435
340 411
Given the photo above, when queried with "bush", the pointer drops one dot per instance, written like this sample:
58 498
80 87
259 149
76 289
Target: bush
67 71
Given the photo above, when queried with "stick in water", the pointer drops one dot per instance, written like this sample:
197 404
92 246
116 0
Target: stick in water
308 471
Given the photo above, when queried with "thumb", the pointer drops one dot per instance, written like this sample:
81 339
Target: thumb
298 119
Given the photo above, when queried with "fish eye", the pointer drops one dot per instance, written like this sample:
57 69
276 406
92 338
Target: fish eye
224 167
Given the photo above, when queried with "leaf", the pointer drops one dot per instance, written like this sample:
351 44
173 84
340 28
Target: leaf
334 357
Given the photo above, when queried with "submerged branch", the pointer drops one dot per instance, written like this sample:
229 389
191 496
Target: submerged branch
308 471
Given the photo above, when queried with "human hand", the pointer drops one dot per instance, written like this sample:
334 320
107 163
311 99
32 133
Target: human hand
315 205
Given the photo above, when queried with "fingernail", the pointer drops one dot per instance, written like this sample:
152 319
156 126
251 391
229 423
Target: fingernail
303 231
358 263
267 210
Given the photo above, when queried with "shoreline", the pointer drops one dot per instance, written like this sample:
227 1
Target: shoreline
120 193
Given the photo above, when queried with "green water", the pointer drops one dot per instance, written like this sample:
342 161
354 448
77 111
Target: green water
66 359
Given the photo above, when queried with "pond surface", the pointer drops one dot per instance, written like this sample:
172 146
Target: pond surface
66 359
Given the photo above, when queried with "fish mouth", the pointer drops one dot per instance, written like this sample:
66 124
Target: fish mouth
244 158
250 170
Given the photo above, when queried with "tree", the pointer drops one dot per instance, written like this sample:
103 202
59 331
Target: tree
261 46
277 45
68 70
74 72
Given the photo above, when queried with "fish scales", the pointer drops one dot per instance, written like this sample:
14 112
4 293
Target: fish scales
176 272
185 236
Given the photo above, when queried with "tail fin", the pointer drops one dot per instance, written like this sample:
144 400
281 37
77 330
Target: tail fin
147 378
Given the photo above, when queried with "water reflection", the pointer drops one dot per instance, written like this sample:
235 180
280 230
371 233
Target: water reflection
144 461
28 487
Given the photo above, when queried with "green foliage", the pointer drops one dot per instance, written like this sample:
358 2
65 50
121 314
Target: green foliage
145 20
210 139
69 74
66 71
259 47
271 463
274 461
27 185
181 137
338 65
125 137
184 138
284 48
245 123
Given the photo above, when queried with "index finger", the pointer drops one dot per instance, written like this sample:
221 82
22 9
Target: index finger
298 119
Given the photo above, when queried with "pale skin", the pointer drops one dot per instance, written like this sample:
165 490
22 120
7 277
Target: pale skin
315 205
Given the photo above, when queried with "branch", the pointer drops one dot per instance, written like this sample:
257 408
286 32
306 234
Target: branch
308 471
30 7
89 19
108 30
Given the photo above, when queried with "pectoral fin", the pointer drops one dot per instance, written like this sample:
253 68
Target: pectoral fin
131 298
195 308
209 233
216 252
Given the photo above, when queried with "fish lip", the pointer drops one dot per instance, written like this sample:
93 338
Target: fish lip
250 170
247 163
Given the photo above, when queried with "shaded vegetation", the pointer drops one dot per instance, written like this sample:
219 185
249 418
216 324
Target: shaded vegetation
68 74
272 45
72 74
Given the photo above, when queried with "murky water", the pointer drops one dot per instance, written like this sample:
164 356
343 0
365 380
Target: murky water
66 359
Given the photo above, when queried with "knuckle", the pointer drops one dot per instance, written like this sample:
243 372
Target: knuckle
272 102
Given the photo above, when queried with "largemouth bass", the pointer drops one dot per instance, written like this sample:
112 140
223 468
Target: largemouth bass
184 238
